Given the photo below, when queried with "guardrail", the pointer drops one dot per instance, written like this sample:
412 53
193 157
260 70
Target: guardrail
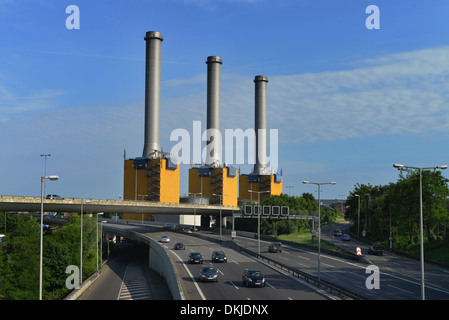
321 284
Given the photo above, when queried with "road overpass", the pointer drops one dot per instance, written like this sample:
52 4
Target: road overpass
21 203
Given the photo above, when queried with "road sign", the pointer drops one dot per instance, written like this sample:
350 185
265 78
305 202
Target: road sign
359 251
266 210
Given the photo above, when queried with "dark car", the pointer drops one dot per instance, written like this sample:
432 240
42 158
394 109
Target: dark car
219 256
54 196
337 233
179 246
208 273
253 278
346 237
275 247
195 257
375 251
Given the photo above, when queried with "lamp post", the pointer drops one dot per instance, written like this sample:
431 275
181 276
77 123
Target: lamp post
319 184
420 169
194 209
81 240
52 178
98 213
258 217
221 205
45 170
358 216
101 244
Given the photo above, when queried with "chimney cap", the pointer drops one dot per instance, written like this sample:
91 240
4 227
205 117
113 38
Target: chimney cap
153 35
214 59
260 78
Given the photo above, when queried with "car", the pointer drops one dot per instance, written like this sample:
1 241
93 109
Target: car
252 278
275 247
346 237
54 197
219 256
180 246
195 257
164 239
337 233
208 273
375 251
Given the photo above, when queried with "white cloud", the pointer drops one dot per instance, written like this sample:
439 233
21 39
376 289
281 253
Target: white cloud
403 93
12 104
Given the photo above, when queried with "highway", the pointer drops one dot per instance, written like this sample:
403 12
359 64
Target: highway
126 277
399 278
280 285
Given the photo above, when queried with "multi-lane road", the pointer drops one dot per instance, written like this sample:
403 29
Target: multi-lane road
279 285
399 278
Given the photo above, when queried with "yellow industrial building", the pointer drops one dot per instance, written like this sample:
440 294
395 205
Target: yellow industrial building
151 180
212 182
259 184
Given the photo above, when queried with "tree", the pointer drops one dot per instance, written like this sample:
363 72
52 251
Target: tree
19 261
397 205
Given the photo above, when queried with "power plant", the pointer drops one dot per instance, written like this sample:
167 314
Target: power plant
261 182
213 180
156 175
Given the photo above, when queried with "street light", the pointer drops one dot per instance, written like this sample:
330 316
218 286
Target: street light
221 204
101 246
52 178
45 170
81 246
194 209
358 216
97 236
319 184
258 217
420 169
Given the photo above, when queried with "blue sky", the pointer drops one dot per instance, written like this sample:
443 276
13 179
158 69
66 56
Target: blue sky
348 102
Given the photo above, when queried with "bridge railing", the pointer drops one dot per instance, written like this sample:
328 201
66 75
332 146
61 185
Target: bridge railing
319 283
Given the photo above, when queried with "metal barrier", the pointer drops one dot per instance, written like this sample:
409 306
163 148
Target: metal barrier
321 284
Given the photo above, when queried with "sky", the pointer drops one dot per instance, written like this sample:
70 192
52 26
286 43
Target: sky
347 100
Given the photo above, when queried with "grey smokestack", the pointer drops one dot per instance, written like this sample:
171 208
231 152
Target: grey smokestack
152 145
213 157
260 124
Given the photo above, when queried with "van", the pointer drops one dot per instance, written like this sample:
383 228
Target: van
275 247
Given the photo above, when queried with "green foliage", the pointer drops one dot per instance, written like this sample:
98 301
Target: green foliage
400 202
306 204
19 257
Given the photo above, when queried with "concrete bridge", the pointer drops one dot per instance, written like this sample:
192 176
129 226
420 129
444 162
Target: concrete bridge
21 203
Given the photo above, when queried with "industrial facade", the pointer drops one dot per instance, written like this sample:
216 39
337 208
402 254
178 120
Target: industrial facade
156 175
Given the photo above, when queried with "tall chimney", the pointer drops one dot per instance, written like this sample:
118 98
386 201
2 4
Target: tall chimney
152 146
213 156
260 125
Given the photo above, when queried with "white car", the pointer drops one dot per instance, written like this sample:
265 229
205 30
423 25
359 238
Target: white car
165 239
